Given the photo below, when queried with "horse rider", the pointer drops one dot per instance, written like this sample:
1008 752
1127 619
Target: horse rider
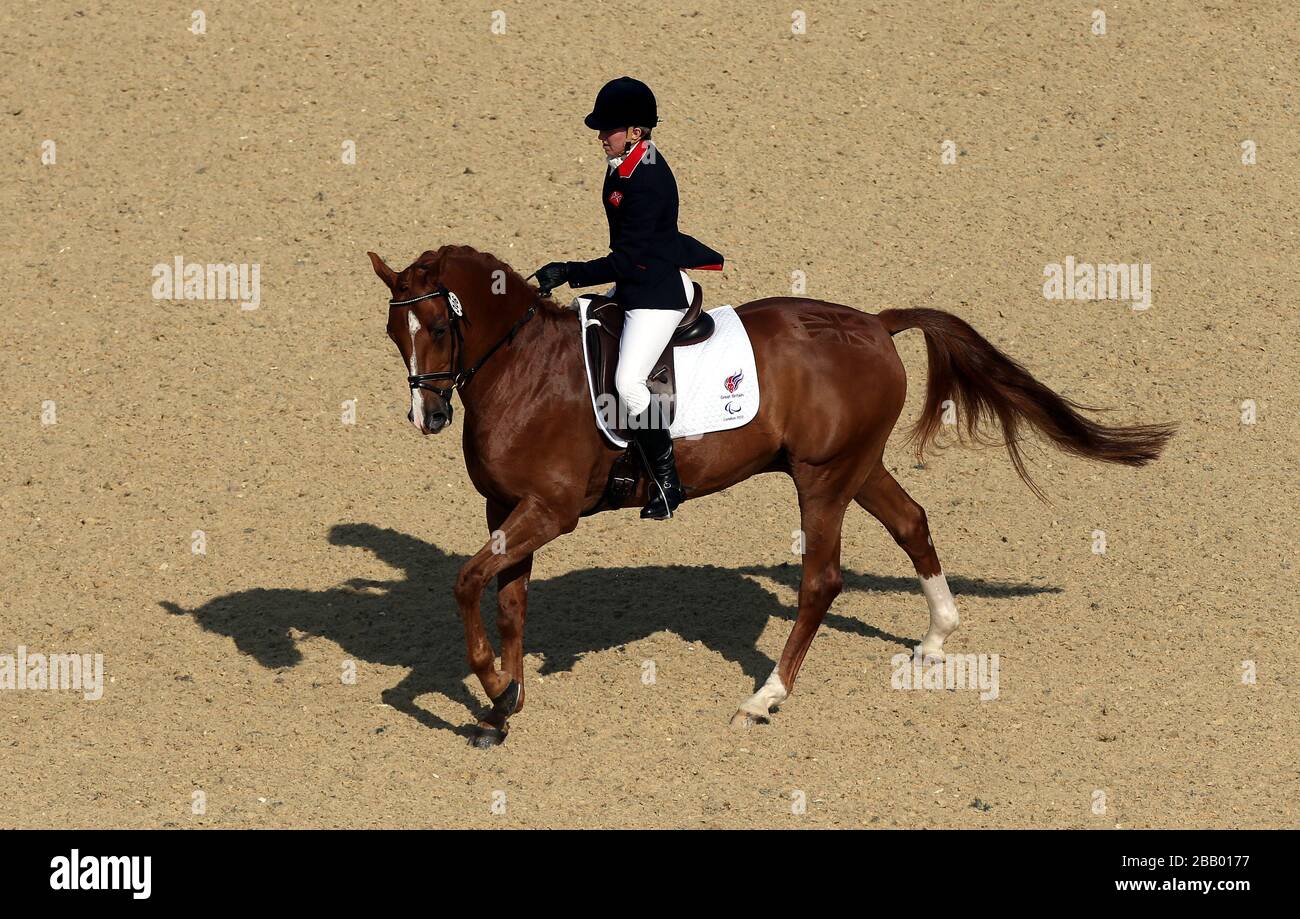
646 256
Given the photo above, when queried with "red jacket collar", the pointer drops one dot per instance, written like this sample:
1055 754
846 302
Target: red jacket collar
634 156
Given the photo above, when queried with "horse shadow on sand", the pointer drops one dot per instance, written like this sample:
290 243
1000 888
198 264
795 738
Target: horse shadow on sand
412 621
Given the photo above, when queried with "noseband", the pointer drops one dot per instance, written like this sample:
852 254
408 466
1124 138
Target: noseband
458 377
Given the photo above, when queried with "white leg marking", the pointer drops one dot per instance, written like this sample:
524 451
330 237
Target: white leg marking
417 404
770 694
943 614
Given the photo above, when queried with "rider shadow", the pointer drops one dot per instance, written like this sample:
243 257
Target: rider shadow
412 621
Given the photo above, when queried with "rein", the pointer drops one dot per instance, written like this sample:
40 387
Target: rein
458 377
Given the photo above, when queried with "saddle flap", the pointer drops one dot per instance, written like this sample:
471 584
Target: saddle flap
604 334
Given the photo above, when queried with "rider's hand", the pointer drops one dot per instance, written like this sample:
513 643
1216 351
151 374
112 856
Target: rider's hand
552 275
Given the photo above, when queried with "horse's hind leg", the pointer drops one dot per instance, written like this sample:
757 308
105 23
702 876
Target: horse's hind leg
821 519
885 500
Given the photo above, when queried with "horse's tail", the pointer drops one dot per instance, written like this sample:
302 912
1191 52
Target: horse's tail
983 383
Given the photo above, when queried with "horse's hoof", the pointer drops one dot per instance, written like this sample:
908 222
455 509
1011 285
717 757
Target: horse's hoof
931 650
744 720
485 738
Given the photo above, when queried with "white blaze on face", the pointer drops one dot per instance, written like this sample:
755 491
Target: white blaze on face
417 404
943 614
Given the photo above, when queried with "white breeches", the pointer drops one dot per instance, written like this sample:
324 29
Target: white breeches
645 335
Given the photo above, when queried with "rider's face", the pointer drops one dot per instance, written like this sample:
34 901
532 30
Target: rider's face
614 141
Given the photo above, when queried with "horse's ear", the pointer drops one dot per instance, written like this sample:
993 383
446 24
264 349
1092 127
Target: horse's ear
386 274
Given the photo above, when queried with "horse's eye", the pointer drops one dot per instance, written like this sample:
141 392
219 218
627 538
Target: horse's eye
439 331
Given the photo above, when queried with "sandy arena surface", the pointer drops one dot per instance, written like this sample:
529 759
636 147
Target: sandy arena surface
328 545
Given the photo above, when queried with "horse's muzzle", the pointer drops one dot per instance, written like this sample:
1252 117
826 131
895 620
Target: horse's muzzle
435 419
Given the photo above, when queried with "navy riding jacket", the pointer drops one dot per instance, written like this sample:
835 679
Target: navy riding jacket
646 249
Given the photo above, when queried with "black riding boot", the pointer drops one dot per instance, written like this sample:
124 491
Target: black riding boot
665 489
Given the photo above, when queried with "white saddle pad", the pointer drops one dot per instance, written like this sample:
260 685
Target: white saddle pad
717 380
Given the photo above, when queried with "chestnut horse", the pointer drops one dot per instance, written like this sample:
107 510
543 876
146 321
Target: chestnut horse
833 387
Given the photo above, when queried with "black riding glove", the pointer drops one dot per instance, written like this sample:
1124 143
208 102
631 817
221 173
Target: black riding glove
552 275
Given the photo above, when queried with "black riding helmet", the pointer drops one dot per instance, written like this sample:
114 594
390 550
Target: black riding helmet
623 103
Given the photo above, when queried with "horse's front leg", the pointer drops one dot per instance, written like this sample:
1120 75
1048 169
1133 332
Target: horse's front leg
512 606
531 525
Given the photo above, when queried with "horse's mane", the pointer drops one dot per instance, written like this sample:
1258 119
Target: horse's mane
435 261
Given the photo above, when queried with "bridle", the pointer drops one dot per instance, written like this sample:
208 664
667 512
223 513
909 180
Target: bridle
458 377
